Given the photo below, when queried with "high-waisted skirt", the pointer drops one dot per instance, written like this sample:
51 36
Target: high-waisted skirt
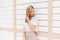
30 35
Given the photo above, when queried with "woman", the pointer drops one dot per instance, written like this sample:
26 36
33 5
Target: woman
30 22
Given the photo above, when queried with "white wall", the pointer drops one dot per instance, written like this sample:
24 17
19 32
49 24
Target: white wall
6 13
41 10
6 19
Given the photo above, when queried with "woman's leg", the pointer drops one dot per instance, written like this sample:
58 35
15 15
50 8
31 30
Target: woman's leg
30 36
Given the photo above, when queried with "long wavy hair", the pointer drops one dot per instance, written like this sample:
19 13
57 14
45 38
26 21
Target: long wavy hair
28 11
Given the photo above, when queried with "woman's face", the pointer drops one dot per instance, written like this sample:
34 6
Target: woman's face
31 12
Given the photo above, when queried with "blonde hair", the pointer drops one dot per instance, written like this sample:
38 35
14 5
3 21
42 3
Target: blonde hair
28 11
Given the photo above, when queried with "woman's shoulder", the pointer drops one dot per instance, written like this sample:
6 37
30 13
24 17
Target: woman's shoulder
34 18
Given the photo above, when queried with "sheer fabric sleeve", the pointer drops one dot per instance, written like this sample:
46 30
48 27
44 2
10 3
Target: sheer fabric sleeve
34 21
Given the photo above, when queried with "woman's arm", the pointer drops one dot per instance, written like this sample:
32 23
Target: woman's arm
32 26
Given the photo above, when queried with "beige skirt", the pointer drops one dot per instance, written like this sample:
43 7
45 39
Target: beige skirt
30 36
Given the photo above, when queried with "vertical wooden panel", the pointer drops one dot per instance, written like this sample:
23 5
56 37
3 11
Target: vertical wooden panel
14 6
49 19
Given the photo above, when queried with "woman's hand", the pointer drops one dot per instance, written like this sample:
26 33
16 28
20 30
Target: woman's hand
27 19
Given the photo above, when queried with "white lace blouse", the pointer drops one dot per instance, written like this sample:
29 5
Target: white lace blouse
33 21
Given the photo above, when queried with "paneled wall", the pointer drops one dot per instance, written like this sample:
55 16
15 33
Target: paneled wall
12 16
6 20
41 11
56 18
6 13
